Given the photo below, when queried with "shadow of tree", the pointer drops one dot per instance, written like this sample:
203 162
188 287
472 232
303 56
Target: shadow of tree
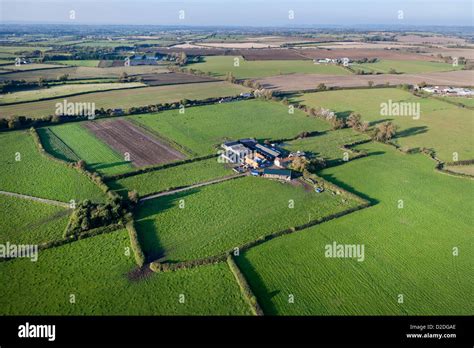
411 131
256 283
148 213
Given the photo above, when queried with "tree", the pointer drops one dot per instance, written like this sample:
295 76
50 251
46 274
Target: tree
385 131
337 123
317 163
81 164
133 196
63 77
364 126
354 121
123 77
321 87
299 163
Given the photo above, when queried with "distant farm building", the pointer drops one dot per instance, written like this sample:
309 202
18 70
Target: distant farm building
278 174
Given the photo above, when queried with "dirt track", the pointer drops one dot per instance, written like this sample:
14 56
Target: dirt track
123 136
297 82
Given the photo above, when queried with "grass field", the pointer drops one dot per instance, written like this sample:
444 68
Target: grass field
95 270
82 72
28 222
55 146
221 65
236 212
127 98
89 63
164 179
461 100
62 91
443 127
327 145
203 128
39 176
97 155
404 66
408 251
27 67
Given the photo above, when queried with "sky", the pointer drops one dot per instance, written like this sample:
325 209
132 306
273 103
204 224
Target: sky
240 12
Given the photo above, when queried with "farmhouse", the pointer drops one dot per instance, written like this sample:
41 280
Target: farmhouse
279 174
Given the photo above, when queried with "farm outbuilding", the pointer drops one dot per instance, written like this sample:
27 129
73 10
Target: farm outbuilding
279 174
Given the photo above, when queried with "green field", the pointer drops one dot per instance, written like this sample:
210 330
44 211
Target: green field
39 176
462 100
97 154
24 221
55 146
95 270
82 72
404 66
62 91
327 145
27 67
407 251
222 216
89 63
127 98
203 128
165 179
221 65
443 127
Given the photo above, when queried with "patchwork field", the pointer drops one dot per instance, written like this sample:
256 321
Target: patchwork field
28 222
443 127
62 91
174 78
81 72
327 145
408 251
88 63
97 272
203 128
28 67
125 99
237 211
299 82
165 179
401 66
39 176
221 65
82 142
125 138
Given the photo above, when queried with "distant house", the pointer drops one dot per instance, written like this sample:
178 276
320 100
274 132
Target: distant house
246 95
147 60
279 174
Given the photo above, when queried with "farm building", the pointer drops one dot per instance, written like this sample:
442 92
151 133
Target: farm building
279 174
235 152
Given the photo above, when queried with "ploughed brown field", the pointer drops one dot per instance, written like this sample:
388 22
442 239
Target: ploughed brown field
173 79
360 53
297 82
123 136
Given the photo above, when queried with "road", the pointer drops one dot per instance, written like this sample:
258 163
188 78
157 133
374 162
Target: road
201 184
37 199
